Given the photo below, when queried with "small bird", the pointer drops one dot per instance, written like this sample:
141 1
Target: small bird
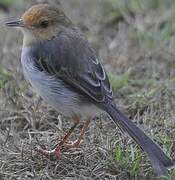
67 73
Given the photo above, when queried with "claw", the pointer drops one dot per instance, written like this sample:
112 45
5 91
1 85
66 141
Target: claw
55 152
74 144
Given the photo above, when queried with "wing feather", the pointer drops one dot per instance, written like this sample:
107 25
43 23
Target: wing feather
76 62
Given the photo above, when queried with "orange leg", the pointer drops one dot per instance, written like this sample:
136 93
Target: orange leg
77 142
56 151
64 143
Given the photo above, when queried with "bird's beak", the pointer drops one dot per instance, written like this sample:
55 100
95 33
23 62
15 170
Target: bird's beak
15 23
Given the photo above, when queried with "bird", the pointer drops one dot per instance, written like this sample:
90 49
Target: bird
65 70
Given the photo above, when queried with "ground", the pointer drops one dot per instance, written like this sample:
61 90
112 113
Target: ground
135 40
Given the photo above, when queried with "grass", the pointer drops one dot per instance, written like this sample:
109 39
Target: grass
134 157
148 33
6 2
118 82
140 66
5 76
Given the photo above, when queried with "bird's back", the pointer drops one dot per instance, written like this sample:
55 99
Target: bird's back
45 77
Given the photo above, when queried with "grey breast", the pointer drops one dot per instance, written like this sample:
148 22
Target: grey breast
52 89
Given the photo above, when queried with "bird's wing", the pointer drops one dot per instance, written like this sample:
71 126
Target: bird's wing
75 61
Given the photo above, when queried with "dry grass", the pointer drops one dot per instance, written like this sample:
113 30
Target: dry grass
141 67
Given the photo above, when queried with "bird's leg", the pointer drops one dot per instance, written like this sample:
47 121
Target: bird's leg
56 151
77 142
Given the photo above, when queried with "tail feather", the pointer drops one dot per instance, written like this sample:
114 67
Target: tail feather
159 160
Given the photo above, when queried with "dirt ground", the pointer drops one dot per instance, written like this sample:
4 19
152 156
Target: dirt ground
136 44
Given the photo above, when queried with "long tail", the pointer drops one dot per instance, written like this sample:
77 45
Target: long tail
159 160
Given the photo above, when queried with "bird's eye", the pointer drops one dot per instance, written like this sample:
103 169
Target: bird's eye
44 24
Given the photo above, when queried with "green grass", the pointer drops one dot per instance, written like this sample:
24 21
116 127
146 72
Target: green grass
118 82
6 2
151 34
129 159
5 76
156 95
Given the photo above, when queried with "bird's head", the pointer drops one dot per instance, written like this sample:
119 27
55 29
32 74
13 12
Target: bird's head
41 22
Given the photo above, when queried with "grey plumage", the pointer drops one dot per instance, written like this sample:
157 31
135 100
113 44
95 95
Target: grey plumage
66 71
75 67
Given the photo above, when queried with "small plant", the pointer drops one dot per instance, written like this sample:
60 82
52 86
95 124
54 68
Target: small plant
118 82
5 76
6 2
129 159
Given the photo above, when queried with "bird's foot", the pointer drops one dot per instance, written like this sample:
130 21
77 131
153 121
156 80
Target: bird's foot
52 153
74 144
56 152
64 144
